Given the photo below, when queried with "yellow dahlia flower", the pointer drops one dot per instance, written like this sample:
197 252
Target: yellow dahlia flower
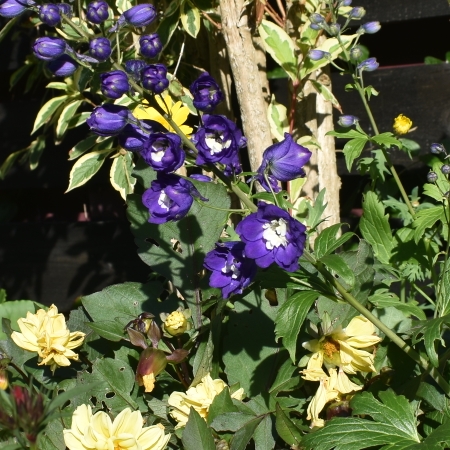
97 432
46 333
350 348
402 124
177 111
199 397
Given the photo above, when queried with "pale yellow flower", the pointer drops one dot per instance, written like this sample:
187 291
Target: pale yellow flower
97 432
3 380
351 348
199 397
176 322
402 124
177 111
46 333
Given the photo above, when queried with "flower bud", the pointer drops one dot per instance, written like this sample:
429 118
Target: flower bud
402 124
134 67
13 8
109 120
357 12
369 28
150 45
140 15
316 55
347 121
49 14
3 379
346 2
437 148
206 92
114 84
356 53
100 48
315 26
334 29
432 177
445 169
49 48
369 65
316 18
151 363
176 322
154 78
97 11
64 8
132 138
64 66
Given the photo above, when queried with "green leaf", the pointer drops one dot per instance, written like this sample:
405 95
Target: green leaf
280 47
290 318
112 331
203 359
426 218
277 116
58 85
242 436
352 150
231 421
315 212
190 18
387 140
10 160
120 174
263 437
326 93
393 425
82 147
52 438
340 268
15 310
348 134
66 115
47 111
443 303
197 435
167 27
36 149
78 119
327 242
86 167
221 404
7 27
375 227
285 380
287 430
432 60
385 299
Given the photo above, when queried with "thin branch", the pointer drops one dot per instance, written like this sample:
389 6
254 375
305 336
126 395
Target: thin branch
208 18
272 13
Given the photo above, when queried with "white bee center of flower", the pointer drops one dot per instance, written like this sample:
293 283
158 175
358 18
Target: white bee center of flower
158 151
231 267
275 233
164 201
215 142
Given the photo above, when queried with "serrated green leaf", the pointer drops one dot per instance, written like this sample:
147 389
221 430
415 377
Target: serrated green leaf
327 242
348 134
263 437
190 18
431 190
340 268
315 211
386 299
197 435
352 150
47 111
86 167
280 47
52 438
221 404
290 318
387 140
66 115
287 430
375 228
120 174
426 218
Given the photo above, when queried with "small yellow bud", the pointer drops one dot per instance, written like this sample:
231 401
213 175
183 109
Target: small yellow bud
402 124
175 323
3 380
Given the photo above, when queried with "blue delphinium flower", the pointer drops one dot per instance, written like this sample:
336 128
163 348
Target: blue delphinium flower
97 11
137 16
63 66
218 140
206 92
49 14
13 8
65 8
370 28
271 235
150 45
154 78
100 48
133 136
49 48
134 67
347 121
114 84
282 161
169 198
368 65
357 12
201 177
231 271
109 120
163 152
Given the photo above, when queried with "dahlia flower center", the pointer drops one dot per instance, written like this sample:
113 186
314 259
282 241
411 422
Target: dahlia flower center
231 267
164 200
158 150
330 347
275 233
215 142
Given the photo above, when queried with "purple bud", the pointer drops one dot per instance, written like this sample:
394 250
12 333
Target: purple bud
369 65
13 8
49 48
346 2
206 92
109 120
445 169
140 15
357 12
163 152
64 8
133 67
347 121
154 78
334 29
150 45
133 137
97 11
63 66
50 14
114 84
316 18
432 177
201 177
437 148
316 55
100 48
370 28
315 26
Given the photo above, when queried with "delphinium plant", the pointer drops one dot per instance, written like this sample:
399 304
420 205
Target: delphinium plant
246 335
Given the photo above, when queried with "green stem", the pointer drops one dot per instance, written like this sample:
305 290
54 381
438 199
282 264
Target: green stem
423 294
380 325
76 28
